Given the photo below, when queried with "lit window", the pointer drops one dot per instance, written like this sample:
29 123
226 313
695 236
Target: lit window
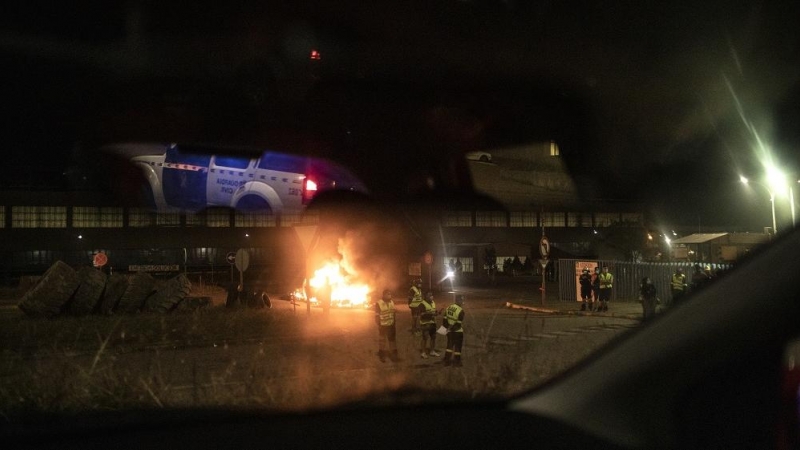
575 219
605 219
553 219
39 216
523 219
554 150
632 218
92 217
457 219
218 218
467 265
254 219
490 219
168 219
139 217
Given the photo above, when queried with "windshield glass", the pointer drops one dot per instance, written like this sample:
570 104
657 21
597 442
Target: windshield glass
299 208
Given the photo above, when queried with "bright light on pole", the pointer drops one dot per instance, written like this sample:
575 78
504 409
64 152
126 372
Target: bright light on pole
778 182
745 181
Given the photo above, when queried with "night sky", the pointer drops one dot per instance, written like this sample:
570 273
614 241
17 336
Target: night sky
651 102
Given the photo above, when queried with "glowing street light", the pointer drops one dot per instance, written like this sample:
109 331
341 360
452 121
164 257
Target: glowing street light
778 182
744 180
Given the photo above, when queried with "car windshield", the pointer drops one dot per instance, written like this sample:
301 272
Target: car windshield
295 208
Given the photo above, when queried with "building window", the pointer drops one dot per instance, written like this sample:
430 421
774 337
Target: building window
39 216
554 150
553 219
37 258
92 217
139 217
457 219
168 219
506 263
218 218
523 219
291 219
2 216
579 219
490 219
632 218
605 219
212 218
254 219
310 218
467 264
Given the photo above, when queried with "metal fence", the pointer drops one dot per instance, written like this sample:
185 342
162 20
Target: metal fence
627 276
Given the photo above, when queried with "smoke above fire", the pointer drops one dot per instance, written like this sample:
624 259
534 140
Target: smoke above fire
376 255
366 260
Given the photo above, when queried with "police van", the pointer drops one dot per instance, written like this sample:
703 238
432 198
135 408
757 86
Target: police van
193 178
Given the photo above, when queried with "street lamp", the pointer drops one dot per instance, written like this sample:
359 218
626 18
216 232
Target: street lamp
743 179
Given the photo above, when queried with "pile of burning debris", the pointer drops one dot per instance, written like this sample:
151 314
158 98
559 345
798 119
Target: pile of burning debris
345 290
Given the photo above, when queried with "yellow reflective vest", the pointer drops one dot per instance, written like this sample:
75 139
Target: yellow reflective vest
606 280
429 315
678 282
386 315
416 297
452 317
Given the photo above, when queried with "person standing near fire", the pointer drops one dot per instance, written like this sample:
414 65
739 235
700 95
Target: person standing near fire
453 321
427 323
414 300
606 284
585 281
387 331
596 289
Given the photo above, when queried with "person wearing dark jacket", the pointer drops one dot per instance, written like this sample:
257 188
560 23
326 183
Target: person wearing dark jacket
648 297
585 281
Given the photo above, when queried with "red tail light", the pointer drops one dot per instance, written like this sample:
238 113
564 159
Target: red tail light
309 190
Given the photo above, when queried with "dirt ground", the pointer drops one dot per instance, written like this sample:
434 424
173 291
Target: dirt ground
286 357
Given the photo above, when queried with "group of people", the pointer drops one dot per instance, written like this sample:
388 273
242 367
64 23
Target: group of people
596 289
679 284
423 324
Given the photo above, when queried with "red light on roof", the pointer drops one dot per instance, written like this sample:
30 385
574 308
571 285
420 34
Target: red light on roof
315 55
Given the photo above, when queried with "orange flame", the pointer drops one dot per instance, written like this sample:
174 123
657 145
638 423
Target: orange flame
346 291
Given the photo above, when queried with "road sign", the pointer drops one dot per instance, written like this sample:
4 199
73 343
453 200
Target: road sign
231 258
428 258
544 262
242 259
306 234
544 247
100 259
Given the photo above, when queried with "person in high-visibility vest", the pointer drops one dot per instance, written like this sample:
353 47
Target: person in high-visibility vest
427 324
606 283
454 321
387 331
678 285
414 300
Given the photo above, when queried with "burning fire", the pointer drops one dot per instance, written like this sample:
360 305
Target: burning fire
345 291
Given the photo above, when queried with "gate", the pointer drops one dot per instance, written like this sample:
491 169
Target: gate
627 277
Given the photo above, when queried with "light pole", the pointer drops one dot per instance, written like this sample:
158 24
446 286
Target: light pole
745 181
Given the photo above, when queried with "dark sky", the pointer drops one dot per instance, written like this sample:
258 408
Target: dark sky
652 101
